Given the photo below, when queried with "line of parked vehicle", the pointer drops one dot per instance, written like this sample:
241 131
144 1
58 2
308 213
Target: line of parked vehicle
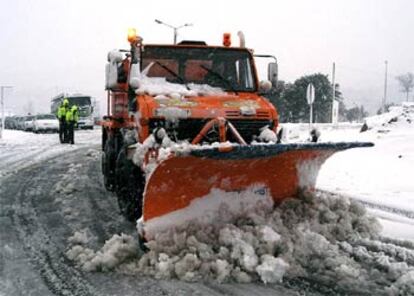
40 123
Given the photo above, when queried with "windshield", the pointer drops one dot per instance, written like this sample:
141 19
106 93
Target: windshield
46 116
79 101
228 69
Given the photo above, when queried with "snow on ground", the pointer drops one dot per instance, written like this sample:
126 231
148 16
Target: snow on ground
20 149
381 175
321 238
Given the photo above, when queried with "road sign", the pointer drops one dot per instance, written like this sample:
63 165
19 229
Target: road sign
335 111
310 93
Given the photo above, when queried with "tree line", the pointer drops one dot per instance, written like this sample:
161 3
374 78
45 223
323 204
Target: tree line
290 101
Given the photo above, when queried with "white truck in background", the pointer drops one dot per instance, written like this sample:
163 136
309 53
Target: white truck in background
85 107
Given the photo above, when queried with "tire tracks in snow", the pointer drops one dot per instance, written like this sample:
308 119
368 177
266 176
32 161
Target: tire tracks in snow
55 270
371 205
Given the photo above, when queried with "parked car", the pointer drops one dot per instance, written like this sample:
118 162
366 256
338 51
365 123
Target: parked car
28 123
8 122
20 123
13 124
45 123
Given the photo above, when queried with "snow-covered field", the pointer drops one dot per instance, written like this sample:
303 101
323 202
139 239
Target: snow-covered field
381 176
324 240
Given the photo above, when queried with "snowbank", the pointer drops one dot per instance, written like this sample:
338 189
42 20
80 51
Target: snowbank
381 175
403 113
317 238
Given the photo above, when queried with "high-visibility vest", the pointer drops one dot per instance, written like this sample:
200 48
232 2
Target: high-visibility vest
72 116
61 114
75 115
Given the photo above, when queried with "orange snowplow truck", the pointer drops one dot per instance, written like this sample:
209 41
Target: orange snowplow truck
207 101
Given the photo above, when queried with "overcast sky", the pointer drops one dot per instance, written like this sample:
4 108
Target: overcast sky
50 46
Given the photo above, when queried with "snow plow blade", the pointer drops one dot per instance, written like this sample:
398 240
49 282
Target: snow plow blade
282 169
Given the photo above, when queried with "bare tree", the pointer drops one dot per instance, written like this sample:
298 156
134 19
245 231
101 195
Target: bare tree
407 82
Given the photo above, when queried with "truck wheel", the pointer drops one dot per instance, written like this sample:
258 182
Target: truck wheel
141 243
104 138
108 165
129 187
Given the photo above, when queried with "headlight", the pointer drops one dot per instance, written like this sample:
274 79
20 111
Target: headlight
247 110
171 113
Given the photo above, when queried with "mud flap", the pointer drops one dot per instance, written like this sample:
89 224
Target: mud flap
281 169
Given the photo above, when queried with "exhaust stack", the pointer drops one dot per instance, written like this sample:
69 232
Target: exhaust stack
241 38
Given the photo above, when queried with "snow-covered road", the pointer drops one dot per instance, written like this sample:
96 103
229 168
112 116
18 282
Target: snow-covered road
50 191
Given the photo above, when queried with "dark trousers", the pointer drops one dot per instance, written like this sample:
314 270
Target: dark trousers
71 132
62 130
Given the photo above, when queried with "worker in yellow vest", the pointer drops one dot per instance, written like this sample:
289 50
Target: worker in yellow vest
61 115
72 118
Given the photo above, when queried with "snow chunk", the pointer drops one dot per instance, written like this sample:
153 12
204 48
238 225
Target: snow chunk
186 267
79 238
272 269
267 135
242 251
404 285
222 269
269 235
116 250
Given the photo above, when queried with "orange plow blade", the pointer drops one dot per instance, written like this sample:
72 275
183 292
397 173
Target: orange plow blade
180 182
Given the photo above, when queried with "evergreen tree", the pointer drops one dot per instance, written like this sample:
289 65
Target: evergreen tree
294 101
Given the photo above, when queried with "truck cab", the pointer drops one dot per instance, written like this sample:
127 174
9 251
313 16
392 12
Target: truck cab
182 87
192 92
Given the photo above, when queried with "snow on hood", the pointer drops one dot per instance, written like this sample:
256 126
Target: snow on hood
155 86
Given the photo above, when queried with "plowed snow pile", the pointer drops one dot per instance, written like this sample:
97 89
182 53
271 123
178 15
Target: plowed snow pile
316 239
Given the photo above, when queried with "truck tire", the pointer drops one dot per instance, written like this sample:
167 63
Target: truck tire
130 184
108 165
104 138
142 243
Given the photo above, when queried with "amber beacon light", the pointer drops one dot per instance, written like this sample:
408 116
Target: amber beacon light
132 35
227 39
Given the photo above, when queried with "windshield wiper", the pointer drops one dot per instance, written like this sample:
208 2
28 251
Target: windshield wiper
180 79
219 76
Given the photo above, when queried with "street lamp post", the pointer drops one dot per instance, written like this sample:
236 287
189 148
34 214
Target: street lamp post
174 28
384 99
2 109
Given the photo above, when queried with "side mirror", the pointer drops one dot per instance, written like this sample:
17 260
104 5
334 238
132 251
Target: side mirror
111 75
111 70
134 76
272 73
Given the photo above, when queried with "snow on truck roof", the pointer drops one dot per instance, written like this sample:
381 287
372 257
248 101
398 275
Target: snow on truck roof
199 44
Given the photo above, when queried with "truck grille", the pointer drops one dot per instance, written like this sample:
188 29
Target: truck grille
188 129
